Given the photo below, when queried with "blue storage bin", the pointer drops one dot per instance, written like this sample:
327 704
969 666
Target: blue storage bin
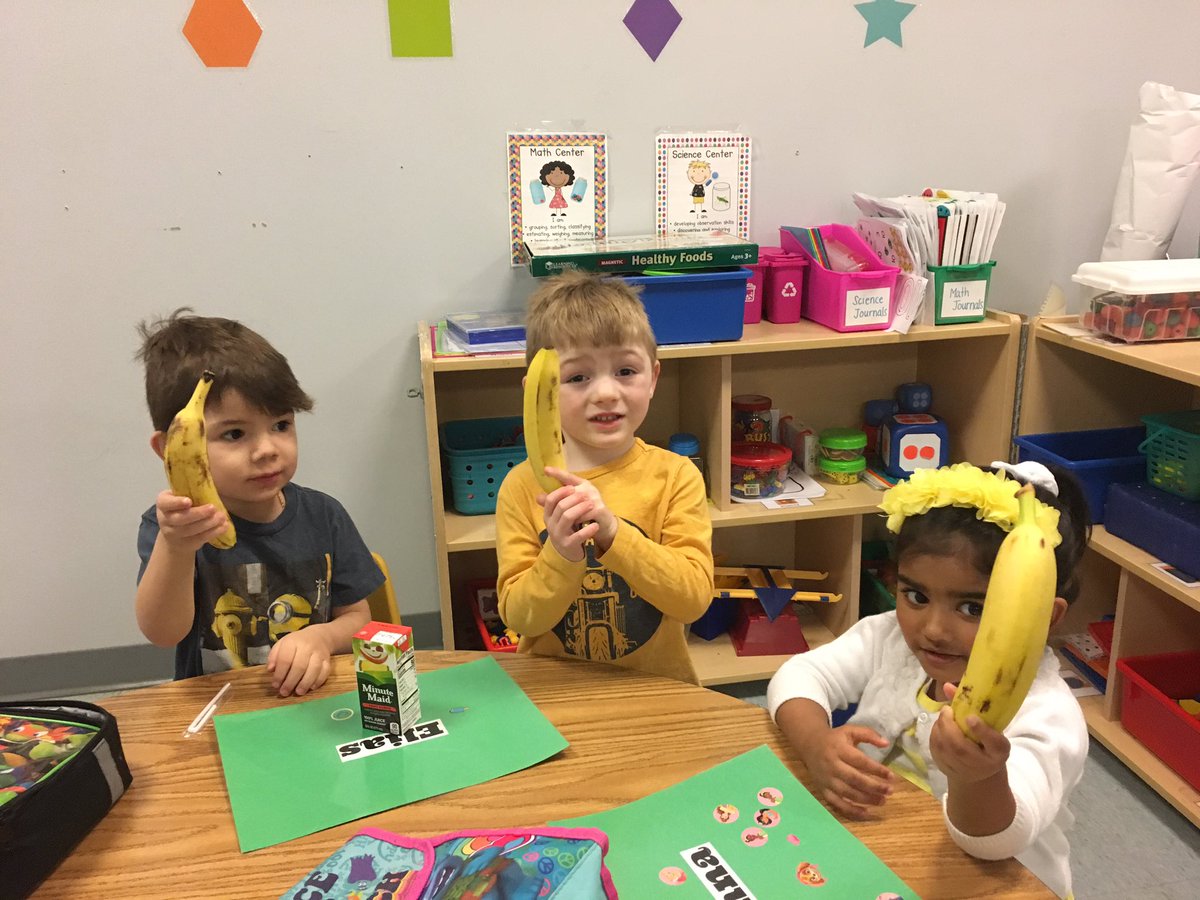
1162 524
1097 458
479 453
694 307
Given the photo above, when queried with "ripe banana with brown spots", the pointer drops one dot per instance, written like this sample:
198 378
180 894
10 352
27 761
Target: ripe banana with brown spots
1016 621
185 457
543 426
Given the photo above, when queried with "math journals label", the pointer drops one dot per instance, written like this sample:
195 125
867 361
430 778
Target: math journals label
963 298
381 743
868 307
715 874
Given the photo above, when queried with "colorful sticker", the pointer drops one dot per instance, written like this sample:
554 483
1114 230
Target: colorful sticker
672 875
809 874
767 818
770 797
726 813
754 837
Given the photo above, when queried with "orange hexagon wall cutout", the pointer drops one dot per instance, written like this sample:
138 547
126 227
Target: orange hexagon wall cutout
223 33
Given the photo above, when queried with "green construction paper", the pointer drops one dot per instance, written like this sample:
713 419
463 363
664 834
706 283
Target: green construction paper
286 778
651 835
420 27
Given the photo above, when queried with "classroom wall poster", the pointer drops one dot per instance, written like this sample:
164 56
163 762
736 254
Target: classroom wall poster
703 183
557 187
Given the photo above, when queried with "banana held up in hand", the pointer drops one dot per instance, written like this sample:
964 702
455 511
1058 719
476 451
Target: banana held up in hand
185 456
543 428
1015 623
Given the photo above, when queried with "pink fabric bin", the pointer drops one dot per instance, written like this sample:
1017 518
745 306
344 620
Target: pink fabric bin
846 301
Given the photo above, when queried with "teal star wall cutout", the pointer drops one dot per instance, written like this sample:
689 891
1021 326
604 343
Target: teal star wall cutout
883 19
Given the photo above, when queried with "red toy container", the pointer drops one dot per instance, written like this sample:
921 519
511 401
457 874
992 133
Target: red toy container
846 301
1150 711
483 602
758 469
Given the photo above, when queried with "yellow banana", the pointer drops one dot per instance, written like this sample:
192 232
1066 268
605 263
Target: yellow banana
543 428
1016 620
185 456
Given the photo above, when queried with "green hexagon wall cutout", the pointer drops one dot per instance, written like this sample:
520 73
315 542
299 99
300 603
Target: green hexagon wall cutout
223 33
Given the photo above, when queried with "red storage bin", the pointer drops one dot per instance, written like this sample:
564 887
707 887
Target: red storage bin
1152 687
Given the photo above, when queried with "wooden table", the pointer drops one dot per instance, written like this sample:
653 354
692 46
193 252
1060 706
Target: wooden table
172 834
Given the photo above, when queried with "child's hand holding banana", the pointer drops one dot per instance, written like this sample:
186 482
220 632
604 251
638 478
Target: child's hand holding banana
967 759
196 508
575 513
574 510
186 525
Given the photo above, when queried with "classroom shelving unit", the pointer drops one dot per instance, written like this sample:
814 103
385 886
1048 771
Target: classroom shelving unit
820 376
1075 381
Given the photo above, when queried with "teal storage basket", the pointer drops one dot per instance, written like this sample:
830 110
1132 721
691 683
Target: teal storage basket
1172 449
479 453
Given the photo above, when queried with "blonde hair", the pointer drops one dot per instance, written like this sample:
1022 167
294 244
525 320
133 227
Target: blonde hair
699 164
580 309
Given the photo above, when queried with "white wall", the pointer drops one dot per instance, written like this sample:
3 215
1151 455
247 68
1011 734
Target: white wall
330 196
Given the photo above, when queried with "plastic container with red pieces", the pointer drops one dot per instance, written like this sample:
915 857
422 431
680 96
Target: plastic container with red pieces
758 469
1142 300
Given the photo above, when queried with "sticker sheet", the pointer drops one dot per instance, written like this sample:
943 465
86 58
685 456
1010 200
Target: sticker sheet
703 183
295 769
743 829
557 188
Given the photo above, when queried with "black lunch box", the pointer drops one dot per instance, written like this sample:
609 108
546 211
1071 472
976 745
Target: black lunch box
40 827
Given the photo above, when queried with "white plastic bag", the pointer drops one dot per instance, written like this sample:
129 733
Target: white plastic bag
1160 165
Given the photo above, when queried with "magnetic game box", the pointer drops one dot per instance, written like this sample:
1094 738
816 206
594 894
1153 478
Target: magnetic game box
388 697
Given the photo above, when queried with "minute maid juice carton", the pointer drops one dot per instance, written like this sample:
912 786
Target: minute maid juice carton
388 698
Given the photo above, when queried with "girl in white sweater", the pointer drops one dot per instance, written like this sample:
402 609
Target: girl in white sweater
1005 796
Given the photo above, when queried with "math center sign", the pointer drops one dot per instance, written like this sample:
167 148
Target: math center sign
557 187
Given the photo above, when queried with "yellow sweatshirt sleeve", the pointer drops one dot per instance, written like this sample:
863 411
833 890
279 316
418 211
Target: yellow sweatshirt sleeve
675 573
536 583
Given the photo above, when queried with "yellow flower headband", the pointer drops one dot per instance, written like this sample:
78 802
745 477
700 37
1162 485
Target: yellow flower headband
992 495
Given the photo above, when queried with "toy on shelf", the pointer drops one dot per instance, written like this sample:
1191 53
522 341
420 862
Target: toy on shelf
874 413
497 637
913 438
761 599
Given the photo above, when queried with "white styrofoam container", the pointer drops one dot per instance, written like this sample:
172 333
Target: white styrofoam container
1142 300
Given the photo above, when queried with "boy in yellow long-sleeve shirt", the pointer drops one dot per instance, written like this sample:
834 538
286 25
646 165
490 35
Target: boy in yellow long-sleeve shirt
613 565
